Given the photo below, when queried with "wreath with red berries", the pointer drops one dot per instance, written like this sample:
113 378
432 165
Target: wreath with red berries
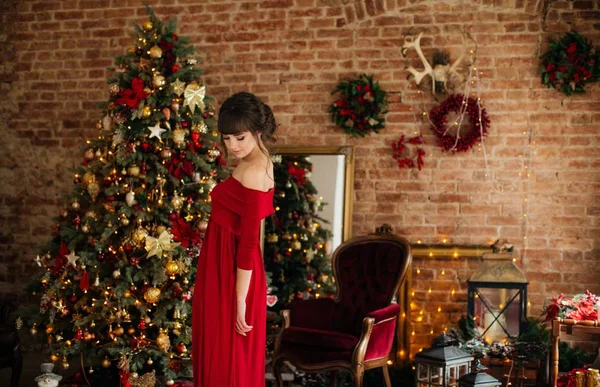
459 142
570 64
360 106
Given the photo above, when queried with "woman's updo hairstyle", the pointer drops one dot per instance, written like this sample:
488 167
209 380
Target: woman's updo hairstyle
245 112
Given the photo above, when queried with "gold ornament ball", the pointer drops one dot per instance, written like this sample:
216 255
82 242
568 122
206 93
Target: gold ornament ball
93 189
33 331
131 331
85 228
114 89
64 213
149 362
202 225
169 382
147 25
163 341
165 153
296 245
179 137
88 177
159 81
125 221
160 229
54 357
155 52
133 170
75 205
118 331
89 154
65 365
106 362
146 111
177 202
152 295
172 268
116 274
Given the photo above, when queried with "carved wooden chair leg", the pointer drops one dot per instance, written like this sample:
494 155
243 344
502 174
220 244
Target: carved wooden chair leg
277 372
386 376
357 376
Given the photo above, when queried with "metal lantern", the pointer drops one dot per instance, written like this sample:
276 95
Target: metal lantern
441 365
497 298
478 378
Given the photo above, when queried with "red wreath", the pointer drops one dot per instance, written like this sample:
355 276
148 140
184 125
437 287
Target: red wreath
464 141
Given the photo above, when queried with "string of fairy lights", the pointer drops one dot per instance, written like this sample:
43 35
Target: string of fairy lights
521 183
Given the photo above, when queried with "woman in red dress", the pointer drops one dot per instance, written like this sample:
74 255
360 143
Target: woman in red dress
229 306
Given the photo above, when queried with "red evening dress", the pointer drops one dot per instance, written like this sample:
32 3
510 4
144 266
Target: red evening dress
222 357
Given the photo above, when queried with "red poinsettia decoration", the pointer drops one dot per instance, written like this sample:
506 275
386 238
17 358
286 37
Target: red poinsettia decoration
132 97
297 173
406 162
579 307
183 232
178 166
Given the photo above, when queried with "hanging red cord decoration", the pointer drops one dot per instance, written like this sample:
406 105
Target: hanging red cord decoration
459 142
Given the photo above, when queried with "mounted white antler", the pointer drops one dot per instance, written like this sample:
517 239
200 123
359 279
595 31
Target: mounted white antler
411 42
442 71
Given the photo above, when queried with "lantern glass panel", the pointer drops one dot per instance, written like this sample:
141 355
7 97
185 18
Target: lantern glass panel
497 313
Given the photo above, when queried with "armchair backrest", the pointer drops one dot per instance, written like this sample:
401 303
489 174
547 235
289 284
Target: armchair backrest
368 271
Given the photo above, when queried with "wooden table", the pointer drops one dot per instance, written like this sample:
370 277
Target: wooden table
567 325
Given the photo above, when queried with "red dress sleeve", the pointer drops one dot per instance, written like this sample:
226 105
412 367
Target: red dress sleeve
252 206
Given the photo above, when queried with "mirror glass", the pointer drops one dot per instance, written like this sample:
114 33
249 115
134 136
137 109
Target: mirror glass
313 212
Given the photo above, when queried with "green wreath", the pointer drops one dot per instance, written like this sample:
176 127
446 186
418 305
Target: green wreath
570 64
360 106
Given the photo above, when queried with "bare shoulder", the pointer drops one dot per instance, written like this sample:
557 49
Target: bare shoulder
256 177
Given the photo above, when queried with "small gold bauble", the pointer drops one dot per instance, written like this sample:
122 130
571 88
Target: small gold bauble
172 268
139 235
155 52
64 213
273 238
169 382
149 362
106 362
118 331
163 341
133 170
177 202
179 137
88 177
54 357
296 245
93 189
125 221
159 81
160 229
85 228
146 111
165 153
152 295
114 89
75 205
89 154
49 328
116 274
33 331
186 281
147 25
202 225
131 331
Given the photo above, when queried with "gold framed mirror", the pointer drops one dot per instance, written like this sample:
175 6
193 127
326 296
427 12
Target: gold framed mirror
333 176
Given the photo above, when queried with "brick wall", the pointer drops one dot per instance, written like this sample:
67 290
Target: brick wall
292 52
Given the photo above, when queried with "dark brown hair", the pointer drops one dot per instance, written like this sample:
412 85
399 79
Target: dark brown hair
245 112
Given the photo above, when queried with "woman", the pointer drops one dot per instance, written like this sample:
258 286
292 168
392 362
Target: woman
229 305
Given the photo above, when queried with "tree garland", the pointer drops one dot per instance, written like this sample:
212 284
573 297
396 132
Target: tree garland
570 63
459 142
360 107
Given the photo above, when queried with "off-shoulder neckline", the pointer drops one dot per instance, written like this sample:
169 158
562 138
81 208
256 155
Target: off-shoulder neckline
251 189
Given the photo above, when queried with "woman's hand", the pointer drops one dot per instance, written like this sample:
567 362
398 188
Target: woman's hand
240 322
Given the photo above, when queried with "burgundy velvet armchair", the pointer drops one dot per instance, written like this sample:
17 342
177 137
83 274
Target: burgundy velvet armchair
355 330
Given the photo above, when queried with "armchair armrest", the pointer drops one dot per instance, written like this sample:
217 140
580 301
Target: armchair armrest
315 313
385 313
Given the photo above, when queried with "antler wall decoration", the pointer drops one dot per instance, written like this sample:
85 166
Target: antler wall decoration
442 72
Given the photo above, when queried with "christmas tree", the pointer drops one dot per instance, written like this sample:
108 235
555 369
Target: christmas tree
120 268
296 248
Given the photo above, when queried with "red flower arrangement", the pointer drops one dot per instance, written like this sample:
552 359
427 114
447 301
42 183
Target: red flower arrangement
183 232
461 142
132 97
579 307
406 162
360 107
570 63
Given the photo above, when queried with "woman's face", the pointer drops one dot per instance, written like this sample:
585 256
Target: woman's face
240 144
